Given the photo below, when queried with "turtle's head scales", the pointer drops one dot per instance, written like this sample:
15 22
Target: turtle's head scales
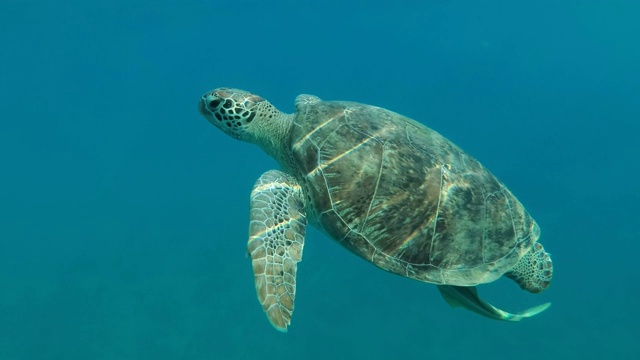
246 116
230 110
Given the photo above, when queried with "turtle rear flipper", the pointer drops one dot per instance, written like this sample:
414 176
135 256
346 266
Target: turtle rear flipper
276 239
467 297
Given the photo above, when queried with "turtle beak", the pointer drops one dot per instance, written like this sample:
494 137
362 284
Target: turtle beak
202 107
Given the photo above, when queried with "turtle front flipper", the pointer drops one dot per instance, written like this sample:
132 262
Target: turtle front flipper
276 239
467 297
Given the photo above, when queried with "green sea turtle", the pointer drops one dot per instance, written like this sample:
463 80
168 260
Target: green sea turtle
384 186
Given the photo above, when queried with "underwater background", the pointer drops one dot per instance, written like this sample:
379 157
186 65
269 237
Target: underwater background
124 213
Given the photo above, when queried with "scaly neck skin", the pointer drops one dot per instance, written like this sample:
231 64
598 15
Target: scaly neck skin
272 136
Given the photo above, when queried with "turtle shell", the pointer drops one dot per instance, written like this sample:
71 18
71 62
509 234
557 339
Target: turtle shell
405 198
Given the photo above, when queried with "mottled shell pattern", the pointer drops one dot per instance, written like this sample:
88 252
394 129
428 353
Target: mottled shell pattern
403 197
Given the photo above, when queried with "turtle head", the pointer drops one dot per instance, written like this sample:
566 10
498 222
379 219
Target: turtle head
246 116
233 111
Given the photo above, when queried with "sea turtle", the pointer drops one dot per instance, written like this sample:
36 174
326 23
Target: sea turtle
384 186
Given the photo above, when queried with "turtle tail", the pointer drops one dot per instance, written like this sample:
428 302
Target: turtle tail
534 270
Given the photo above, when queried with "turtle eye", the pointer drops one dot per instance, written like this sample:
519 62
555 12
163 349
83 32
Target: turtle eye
213 104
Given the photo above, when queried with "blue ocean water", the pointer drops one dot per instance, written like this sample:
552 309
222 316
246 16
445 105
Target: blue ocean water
124 214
